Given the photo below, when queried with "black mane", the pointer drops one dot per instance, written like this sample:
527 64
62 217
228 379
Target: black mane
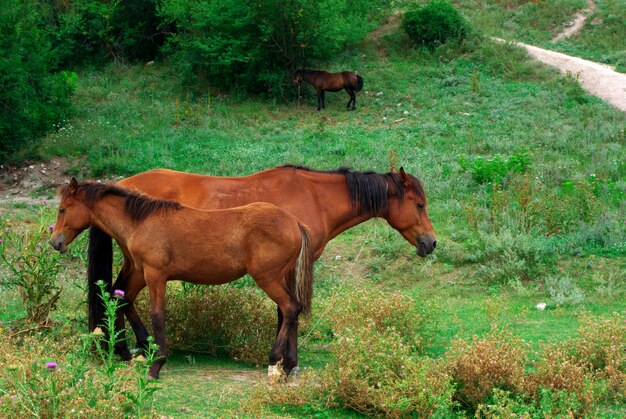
137 206
370 191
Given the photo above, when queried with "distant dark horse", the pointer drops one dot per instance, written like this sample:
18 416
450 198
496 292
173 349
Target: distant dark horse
331 82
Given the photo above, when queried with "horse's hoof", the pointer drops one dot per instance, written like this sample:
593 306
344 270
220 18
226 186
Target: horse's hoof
294 373
275 373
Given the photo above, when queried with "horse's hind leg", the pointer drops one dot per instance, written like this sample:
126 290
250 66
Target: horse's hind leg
282 350
323 99
352 100
320 95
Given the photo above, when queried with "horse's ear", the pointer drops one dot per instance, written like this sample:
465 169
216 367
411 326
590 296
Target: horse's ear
71 190
406 180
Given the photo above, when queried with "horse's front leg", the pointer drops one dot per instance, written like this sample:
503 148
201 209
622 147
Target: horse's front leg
121 346
323 99
320 98
156 285
132 288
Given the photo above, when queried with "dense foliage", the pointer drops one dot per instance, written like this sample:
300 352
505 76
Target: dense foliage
33 96
88 31
435 24
258 44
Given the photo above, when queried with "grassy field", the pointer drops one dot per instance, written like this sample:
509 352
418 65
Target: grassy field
524 174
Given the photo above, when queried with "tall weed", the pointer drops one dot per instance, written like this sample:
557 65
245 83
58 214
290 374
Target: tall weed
33 267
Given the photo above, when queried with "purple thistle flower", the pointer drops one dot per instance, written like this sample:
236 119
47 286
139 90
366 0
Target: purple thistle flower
119 293
51 226
51 365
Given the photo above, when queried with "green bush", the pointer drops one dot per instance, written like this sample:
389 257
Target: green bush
435 24
257 45
33 96
86 31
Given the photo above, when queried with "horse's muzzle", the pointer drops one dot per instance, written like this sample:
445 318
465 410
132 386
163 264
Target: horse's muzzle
58 243
425 245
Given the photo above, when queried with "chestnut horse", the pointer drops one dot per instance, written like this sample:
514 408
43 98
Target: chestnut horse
324 81
168 241
328 202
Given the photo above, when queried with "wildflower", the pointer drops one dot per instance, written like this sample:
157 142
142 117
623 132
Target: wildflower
51 227
98 332
119 293
51 365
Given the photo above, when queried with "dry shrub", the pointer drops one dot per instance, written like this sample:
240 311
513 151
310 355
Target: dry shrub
495 361
586 369
561 379
382 309
239 322
375 373
601 348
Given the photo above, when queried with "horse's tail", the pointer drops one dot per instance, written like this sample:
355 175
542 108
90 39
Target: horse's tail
359 83
304 272
100 267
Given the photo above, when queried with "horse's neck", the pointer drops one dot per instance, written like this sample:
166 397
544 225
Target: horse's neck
108 215
310 76
336 212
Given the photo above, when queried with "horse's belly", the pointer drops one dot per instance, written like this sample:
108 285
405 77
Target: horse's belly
209 274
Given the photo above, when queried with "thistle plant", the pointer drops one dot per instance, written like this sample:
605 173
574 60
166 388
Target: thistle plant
33 267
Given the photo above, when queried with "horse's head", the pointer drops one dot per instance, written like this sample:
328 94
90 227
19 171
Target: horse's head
408 215
73 217
297 78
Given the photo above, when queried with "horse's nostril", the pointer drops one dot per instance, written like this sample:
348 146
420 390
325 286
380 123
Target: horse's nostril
434 244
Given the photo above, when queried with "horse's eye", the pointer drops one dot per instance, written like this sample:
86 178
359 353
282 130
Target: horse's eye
420 206
61 210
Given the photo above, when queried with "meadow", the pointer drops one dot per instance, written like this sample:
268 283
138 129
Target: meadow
524 174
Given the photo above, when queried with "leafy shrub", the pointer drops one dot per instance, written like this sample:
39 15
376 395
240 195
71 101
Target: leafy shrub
509 258
435 24
33 95
34 267
496 169
257 45
239 322
563 291
496 361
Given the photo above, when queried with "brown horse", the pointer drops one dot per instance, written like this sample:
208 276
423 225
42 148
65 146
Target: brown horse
167 241
331 82
327 202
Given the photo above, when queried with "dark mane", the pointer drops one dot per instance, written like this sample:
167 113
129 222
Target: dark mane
137 206
370 191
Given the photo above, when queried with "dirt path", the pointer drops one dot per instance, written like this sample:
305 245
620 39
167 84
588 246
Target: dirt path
598 79
577 23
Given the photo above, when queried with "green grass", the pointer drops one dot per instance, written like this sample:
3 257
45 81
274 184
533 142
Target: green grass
424 110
